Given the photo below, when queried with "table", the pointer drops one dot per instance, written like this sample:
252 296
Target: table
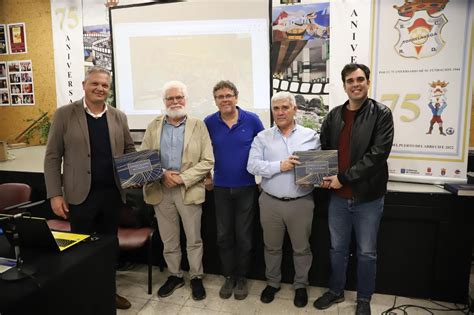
80 280
424 250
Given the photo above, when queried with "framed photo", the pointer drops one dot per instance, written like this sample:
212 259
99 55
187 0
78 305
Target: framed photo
25 65
3 40
4 98
13 66
15 88
17 38
17 99
3 69
4 89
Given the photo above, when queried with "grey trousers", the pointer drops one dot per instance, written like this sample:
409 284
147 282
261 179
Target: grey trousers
296 216
168 212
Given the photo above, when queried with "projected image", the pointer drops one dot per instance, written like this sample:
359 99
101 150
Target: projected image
198 53
190 59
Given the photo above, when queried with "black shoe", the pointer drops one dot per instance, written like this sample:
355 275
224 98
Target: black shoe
301 297
170 285
363 308
328 299
268 294
198 291
241 290
122 303
227 288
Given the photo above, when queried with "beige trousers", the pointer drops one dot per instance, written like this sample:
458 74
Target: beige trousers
168 212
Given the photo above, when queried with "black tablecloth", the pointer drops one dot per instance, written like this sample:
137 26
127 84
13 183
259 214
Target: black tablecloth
80 280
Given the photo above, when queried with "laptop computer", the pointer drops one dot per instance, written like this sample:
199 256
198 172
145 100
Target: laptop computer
34 232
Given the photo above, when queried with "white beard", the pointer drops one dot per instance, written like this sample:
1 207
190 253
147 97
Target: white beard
175 113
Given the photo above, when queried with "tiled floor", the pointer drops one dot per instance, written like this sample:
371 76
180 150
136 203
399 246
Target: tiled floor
133 285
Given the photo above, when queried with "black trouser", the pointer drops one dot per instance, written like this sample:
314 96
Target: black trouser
99 213
235 213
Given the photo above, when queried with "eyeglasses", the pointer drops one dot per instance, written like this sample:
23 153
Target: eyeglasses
178 98
224 97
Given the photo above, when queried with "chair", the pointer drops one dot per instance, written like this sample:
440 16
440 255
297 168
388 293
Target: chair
13 195
130 237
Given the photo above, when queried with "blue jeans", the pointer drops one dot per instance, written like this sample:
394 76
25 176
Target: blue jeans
364 217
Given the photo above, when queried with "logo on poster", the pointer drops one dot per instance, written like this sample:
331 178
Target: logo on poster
420 35
437 104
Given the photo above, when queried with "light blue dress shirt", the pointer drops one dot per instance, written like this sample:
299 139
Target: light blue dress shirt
269 148
171 146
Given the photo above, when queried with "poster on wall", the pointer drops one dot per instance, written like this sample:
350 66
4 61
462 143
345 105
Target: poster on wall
17 38
96 32
423 74
96 36
300 58
20 74
4 95
3 40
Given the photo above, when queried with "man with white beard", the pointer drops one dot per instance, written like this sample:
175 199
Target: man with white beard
186 157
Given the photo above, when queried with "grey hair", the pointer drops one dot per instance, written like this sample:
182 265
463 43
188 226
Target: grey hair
97 69
283 95
174 85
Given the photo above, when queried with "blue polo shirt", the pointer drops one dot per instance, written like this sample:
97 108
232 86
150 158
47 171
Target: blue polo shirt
231 148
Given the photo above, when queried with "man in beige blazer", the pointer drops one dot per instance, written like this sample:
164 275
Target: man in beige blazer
186 157
83 139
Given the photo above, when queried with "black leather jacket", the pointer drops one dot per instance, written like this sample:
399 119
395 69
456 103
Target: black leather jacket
371 142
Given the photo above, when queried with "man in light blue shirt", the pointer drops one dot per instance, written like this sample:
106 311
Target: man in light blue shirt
283 204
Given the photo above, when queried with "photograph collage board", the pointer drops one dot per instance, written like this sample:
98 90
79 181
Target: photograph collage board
16 83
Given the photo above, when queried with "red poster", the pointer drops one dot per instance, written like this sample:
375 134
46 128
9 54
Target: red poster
17 38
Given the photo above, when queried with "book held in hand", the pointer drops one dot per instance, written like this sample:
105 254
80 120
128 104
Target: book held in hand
460 189
315 164
138 168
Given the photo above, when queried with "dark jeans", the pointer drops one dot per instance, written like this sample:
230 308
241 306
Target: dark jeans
235 213
364 217
99 213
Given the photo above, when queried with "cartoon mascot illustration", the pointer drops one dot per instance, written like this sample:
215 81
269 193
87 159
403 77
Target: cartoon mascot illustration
437 104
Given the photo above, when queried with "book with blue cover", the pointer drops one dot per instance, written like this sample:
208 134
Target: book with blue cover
138 168
315 164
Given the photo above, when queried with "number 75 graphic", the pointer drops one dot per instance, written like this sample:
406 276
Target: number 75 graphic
406 104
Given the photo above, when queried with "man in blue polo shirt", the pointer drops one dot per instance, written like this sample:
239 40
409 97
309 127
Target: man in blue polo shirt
232 130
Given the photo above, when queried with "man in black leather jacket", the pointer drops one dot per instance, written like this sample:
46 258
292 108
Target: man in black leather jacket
362 131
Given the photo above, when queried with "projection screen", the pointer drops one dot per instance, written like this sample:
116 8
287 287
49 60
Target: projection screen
196 42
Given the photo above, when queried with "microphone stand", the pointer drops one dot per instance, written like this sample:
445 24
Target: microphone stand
19 271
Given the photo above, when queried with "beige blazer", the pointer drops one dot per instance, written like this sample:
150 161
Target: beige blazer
197 160
68 145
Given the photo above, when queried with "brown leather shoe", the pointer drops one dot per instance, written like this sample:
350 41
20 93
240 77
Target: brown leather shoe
122 303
